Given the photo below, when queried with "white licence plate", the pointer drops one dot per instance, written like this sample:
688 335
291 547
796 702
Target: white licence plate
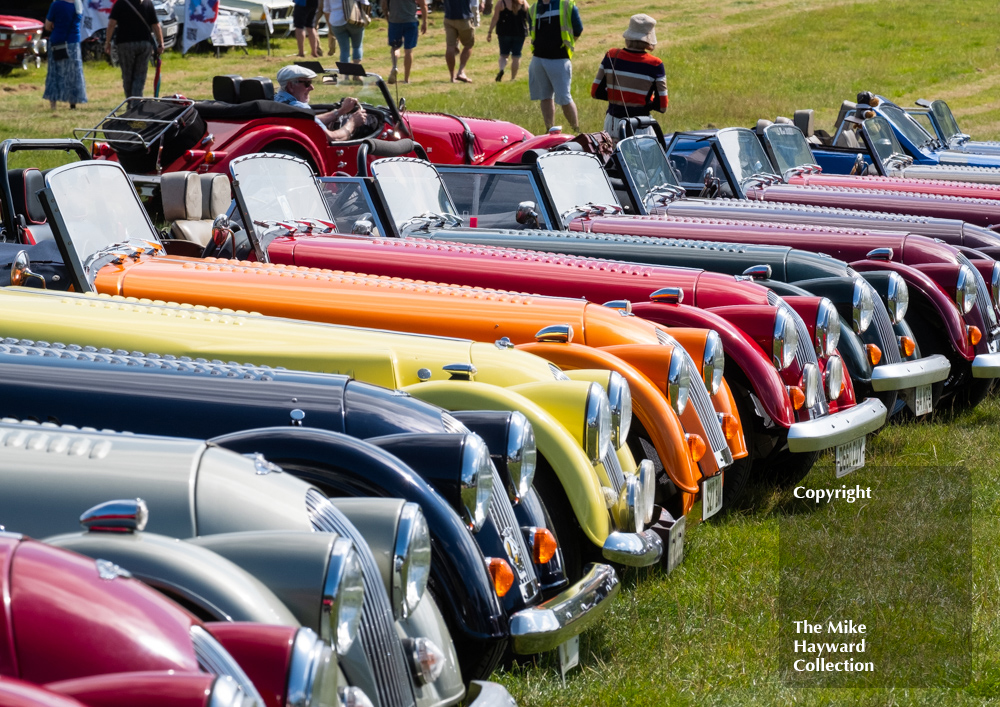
850 456
922 400
675 547
569 655
711 496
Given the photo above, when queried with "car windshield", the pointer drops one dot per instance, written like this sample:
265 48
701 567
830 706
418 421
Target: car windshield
647 166
883 139
99 206
789 147
412 190
278 189
332 88
945 119
910 128
575 179
744 154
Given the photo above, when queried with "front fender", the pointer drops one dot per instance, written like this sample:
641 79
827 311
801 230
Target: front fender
256 138
513 154
559 447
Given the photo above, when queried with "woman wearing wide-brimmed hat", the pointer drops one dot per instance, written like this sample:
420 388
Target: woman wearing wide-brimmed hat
632 80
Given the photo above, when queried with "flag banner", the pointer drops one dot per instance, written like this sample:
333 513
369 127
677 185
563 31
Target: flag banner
95 16
199 20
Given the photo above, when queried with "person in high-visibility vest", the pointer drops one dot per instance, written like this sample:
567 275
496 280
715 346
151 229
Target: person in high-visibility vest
553 26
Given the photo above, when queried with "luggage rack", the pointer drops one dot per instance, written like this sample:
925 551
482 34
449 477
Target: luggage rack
140 135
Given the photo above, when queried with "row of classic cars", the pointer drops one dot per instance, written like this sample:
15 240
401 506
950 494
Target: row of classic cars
590 407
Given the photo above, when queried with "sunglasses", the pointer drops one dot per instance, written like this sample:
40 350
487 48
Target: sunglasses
305 82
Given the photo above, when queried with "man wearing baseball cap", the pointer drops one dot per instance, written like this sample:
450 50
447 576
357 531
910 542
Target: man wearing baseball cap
296 83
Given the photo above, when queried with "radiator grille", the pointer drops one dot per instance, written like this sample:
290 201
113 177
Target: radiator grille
804 352
890 349
984 300
614 469
502 515
705 409
378 631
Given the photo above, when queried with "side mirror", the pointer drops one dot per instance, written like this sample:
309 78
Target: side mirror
402 105
859 165
222 231
713 185
363 226
526 215
20 271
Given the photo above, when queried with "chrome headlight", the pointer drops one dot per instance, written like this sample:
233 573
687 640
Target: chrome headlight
522 454
678 381
784 342
827 328
713 362
995 284
898 296
863 309
597 425
965 289
647 485
810 383
620 399
226 692
834 377
312 673
411 561
343 596
477 482
630 512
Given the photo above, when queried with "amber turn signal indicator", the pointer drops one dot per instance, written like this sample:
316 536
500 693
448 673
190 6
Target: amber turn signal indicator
907 345
874 353
975 335
797 397
697 447
543 546
502 574
730 427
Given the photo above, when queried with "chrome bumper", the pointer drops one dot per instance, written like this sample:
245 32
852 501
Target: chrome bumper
488 694
546 626
633 549
910 374
986 366
839 428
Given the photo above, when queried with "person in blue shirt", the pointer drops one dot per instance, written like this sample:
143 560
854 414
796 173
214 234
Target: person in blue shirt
296 83
64 78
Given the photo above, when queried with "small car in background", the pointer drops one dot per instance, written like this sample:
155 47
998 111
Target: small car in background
20 43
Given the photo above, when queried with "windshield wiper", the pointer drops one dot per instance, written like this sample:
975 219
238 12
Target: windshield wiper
428 220
662 193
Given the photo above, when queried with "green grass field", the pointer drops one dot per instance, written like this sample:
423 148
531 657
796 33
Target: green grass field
712 632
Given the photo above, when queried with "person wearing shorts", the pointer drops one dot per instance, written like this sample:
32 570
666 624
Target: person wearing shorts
460 19
510 20
304 21
554 29
402 16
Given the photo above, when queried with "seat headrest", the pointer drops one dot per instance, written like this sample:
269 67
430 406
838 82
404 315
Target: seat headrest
259 88
215 195
846 108
24 186
227 88
531 156
782 120
181 196
803 120
761 124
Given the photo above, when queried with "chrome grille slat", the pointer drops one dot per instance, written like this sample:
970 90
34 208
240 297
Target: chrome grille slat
502 515
706 411
886 333
614 469
378 630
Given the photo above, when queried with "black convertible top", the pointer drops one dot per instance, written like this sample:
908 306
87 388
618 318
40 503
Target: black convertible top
218 110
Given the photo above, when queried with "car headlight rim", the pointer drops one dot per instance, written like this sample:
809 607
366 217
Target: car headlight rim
522 455
312 672
647 485
834 377
476 482
629 505
678 382
343 596
995 285
785 340
597 424
620 401
862 306
411 562
827 329
898 295
810 383
965 289
713 362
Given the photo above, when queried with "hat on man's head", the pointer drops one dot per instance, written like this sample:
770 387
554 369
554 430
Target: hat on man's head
641 28
293 72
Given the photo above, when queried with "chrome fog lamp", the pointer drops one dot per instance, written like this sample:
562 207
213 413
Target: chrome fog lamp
620 399
647 485
312 672
678 382
863 308
965 289
477 482
827 328
898 296
597 424
713 362
784 342
343 596
995 285
427 661
834 377
630 512
522 455
411 560
810 383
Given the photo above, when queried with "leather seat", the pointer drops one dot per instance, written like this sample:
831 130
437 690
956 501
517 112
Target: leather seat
761 124
227 88
24 186
803 120
192 201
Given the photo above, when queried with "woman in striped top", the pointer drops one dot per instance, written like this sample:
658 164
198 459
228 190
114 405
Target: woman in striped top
631 80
